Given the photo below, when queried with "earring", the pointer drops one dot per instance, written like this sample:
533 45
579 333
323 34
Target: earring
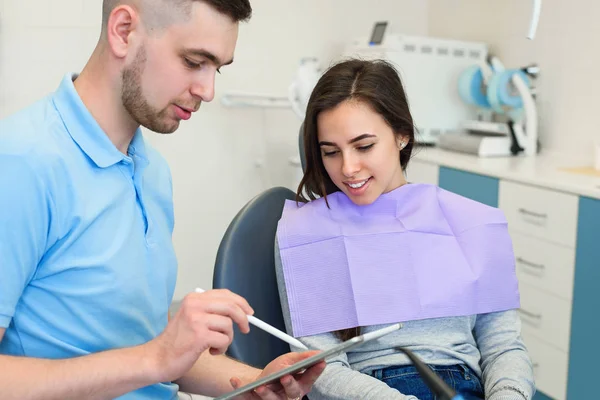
402 145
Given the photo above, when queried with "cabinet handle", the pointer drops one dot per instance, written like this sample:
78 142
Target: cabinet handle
539 267
533 213
530 314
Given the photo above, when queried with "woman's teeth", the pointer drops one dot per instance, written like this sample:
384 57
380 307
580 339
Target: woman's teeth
357 185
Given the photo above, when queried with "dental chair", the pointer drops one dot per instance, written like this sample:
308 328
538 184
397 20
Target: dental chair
245 265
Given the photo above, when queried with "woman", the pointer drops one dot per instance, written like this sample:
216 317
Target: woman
364 249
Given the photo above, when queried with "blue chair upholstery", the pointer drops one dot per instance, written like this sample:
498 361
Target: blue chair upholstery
245 265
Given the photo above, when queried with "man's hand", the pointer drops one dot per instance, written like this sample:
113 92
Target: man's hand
203 322
290 387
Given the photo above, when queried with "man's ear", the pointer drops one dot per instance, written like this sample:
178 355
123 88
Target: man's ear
122 25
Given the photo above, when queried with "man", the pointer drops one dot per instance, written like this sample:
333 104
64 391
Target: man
87 267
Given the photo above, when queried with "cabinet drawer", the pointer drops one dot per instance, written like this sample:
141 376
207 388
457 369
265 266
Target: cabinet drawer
544 265
540 212
550 367
422 172
545 316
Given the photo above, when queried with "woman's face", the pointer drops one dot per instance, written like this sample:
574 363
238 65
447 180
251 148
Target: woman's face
360 152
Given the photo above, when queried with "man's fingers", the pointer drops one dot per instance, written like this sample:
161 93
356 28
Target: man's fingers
222 302
230 310
230 296
293 358
266 394
216 352
293 388
218 343
221 324
235 382
307 379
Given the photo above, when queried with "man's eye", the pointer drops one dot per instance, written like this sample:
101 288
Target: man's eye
192 64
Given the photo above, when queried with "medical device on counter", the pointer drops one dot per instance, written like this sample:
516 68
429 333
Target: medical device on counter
497 93
300 89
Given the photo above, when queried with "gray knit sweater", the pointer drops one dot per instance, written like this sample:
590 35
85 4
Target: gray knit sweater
490 344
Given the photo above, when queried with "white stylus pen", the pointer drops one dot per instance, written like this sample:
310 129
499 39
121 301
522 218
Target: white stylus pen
270 329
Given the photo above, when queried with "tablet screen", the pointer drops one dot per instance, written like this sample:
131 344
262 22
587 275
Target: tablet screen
309 362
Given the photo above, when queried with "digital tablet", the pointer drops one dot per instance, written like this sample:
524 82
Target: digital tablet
309 362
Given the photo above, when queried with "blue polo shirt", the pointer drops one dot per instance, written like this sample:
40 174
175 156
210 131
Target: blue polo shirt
86 258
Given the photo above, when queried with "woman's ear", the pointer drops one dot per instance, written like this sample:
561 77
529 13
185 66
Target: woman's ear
401 142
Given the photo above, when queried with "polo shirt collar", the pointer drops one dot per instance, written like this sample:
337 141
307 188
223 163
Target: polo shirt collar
86 132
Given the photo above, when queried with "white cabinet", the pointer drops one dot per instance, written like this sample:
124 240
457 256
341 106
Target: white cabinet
542 213
543 226
543 265
550 367
545 316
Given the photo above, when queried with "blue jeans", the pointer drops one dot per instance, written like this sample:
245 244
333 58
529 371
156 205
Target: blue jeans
408 381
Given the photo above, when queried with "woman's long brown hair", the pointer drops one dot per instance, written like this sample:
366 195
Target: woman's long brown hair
375 83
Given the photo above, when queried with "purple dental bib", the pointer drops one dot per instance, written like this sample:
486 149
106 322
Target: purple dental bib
417 252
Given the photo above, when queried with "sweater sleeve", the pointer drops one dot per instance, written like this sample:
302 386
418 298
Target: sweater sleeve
507 369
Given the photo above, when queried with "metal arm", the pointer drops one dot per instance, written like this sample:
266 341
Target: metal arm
436 384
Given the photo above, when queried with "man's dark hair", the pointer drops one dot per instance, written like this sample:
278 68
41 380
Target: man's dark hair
156 15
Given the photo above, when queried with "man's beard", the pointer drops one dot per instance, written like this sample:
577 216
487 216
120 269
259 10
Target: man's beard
136 104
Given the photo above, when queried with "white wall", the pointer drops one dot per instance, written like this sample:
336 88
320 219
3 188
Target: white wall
40 41
565 47
212 156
